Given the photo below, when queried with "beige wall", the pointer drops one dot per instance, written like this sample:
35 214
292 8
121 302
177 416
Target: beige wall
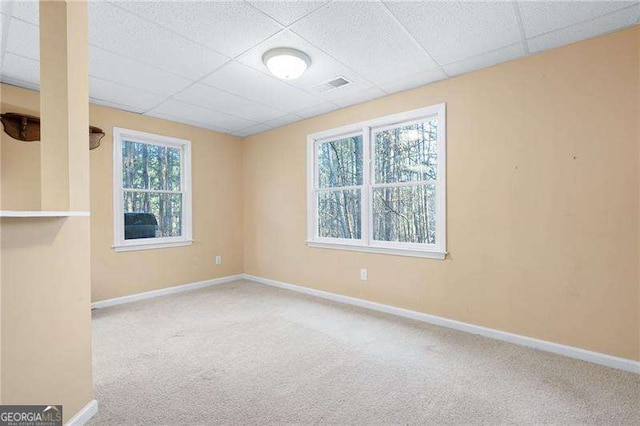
543 192
45 262
217 202
46 312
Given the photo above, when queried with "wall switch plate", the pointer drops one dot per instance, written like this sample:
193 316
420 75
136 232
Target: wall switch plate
218 260
363 274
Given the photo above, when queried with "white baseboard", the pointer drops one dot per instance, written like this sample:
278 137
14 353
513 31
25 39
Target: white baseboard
84 414
556 348
164 291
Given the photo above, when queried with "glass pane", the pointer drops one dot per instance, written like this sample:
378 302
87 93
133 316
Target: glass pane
339 214
152 215
407 153
340 162
147 166
405 214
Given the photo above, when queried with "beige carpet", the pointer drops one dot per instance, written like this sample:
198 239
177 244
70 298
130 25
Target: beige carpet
247 353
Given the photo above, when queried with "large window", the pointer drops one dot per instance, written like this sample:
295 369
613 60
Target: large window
380 185
152 192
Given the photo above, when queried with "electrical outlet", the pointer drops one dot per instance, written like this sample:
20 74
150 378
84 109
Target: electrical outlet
218 260
363 274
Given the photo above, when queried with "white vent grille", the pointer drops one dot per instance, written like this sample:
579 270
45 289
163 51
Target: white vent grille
333 84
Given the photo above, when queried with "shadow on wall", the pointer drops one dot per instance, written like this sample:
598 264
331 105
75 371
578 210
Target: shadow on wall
32 236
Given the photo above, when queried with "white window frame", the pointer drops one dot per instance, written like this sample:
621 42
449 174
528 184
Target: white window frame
366 243
120 244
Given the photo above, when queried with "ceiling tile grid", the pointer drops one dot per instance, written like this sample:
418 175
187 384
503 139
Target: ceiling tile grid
112 28
294 10
454 31
227 27
216 119
610 22
200 62
23 39
362 35
219 100
242 80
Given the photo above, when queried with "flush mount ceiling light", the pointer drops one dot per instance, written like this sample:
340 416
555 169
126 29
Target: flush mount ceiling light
286 63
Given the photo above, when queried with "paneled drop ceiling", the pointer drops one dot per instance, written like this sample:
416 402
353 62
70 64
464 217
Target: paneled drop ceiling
200 62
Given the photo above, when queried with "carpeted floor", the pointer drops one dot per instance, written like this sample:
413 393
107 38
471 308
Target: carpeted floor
247 353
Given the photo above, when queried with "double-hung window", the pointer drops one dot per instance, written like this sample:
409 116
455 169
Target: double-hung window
151 190
379 185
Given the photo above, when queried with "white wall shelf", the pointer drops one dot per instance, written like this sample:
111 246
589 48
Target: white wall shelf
41 213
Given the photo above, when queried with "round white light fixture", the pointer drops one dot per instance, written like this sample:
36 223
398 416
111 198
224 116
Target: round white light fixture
286 63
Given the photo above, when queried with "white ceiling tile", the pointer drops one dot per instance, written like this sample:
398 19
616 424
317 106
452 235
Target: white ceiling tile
109 66
2 24
323 67
287 12
284 120
115 105
215 99
252 130
249 83
24 39
452 31
201 115
114 93
18 68
363 96
413 80
486 59
539 17
611 22
364 36
227 27
27 10
185 121
117 30
317 110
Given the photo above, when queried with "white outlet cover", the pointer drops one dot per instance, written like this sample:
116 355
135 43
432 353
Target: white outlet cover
363 274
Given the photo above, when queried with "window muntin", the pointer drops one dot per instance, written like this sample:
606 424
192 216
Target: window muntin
396 174
152 198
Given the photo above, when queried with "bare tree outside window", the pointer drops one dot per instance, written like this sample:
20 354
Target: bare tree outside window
340 193
404 194
151 182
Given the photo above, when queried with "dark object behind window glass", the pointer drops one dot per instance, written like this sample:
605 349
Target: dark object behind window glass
139 225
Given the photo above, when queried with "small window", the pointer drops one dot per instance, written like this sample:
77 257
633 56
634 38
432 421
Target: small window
380 185
152 192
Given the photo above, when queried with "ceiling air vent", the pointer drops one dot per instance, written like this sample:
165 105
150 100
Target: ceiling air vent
332 84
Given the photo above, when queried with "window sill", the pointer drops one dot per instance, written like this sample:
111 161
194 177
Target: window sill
380 250
152 246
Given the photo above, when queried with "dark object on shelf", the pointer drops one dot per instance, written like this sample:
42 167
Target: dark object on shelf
24 127
139 225
21 126
95 135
